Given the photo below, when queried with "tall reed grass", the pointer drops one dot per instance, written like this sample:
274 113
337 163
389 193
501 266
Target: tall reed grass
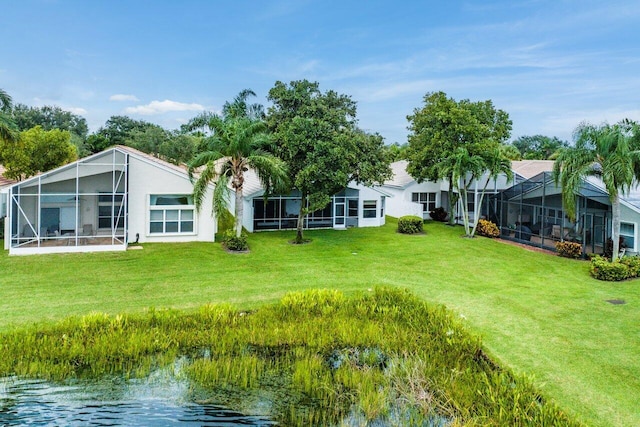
315 358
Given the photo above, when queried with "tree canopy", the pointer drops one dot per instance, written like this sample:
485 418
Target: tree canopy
37 150
609 152
448 136
538 147
315 133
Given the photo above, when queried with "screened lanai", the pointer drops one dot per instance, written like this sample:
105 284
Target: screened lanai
531 212
78 207
280 212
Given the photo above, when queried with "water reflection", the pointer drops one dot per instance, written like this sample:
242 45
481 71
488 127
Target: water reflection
159 400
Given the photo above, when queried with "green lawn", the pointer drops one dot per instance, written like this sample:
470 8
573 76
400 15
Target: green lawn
539 314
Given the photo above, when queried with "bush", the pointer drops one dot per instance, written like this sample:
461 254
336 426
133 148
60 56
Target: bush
569 249
487 228
633 262
410 224
602 269
234 243
439 214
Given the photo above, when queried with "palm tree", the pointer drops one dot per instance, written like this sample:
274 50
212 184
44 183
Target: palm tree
237 143
495 163
611 153
7 127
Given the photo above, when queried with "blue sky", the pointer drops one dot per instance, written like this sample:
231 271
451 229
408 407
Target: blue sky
549 64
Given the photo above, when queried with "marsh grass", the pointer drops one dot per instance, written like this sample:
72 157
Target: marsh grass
317 358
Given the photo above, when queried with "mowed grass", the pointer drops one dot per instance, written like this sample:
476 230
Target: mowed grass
538 314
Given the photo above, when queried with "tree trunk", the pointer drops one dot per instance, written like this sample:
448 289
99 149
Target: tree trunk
239 211
453 200
484 190
615 227
465 210
301 214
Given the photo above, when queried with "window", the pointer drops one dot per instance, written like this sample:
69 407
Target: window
628 233
382 208
369 209
171 214
428 200
353 208
110 211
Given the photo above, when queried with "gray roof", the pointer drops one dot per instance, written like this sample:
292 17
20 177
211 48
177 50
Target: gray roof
530 168
401 177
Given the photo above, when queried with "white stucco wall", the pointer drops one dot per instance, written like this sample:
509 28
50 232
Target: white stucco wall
367 193
145 179
401 204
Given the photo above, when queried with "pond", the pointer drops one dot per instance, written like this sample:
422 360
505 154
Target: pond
162 399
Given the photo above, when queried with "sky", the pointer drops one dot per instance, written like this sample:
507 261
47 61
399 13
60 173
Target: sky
549 64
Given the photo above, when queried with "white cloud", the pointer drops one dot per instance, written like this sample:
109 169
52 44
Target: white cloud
123 97
77 110
161 107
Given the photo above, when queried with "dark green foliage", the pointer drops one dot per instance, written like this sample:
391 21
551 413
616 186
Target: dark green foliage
439 214
235 243
315 134
321 356
49 117
603 269
410 224
443 128
487 228
538 147
569 249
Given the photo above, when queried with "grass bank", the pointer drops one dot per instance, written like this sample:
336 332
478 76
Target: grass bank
384 357
538 314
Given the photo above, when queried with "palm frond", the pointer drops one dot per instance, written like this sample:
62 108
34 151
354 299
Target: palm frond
220 197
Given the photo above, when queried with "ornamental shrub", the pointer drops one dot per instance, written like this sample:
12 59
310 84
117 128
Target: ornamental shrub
487 228
602 269
569 249
439 214
233 243
410 224
633 262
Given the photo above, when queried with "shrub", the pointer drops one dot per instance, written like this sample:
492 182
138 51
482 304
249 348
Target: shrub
569 249
633 262
487 228
410 224
234 243
602 269
439 214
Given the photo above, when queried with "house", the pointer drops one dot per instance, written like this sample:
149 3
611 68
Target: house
102 203
410 197
354 206
531 212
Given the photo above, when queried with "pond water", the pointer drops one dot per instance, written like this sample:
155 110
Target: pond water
159 400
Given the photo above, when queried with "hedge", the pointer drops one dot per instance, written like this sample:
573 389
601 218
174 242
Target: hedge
410 224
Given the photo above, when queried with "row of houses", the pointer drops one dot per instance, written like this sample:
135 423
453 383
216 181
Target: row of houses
111 199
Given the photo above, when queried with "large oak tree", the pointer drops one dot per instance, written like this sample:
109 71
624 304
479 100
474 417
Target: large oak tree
315 133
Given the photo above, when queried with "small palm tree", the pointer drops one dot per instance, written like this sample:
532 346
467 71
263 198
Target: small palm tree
236 144
611 153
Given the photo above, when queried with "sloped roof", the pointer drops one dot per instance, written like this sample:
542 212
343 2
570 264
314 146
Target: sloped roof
401 177
181 170
530 168
144 156
5 182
